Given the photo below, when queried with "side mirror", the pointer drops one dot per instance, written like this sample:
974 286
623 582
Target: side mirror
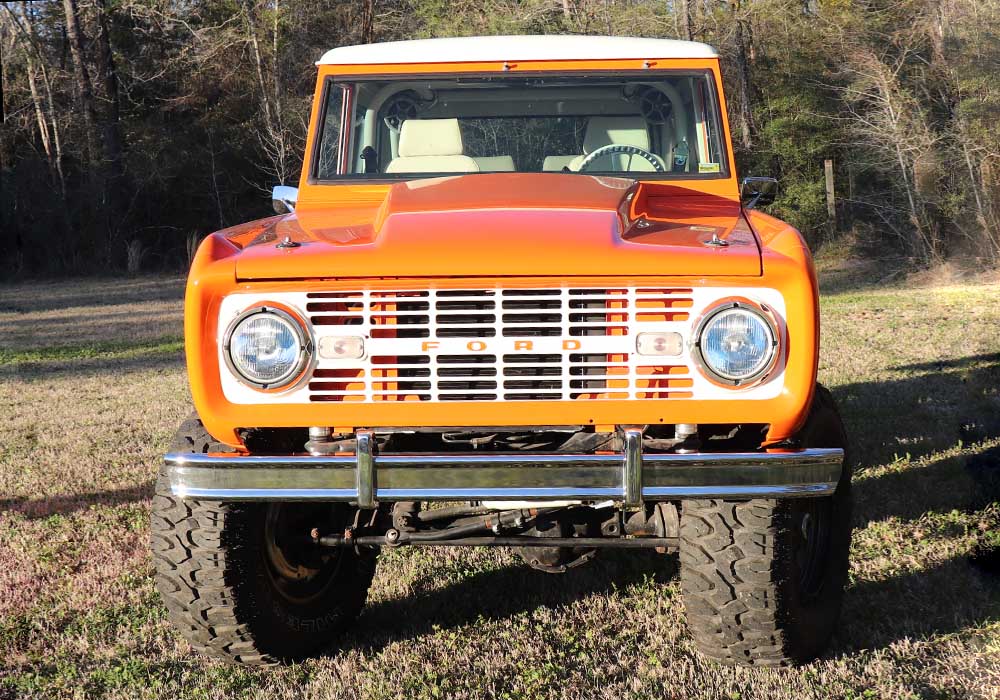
758 191
283 199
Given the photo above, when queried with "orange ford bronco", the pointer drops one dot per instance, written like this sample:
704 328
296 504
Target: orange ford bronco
519 298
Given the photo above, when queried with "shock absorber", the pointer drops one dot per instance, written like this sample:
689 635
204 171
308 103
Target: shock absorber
687 436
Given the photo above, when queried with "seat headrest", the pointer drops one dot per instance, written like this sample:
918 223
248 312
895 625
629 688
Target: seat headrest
553 164
430 137
604 131
498 164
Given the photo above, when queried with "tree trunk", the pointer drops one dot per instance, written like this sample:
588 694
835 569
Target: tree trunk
744 50
986 223
938 31
980 210
258 61
56 138
687 10
275 64
43 125
45 112
113 212
916 220
84 88
278 127
368 21
113 142
7 228
3 113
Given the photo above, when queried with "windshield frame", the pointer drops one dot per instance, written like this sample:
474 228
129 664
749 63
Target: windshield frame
347 81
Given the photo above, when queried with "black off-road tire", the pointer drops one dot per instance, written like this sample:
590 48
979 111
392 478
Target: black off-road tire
209 559
751 596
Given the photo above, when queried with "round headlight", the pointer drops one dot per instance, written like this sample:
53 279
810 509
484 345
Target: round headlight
736 343
267 348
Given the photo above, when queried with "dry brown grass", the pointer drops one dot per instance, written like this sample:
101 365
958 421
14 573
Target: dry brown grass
917 373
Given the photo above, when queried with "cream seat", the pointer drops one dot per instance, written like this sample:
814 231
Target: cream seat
431 146
495 164
605 131
557 163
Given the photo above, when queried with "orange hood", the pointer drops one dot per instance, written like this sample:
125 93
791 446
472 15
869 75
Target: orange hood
509 224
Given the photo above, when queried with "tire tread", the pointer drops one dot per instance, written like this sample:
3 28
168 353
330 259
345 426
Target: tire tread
729 582
735 567
192 573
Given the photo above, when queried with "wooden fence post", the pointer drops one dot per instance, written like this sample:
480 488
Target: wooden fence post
831 198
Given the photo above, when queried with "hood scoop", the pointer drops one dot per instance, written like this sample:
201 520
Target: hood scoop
504 225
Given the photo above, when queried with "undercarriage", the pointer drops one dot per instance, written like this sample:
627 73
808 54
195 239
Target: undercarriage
556 493
550 538
254 549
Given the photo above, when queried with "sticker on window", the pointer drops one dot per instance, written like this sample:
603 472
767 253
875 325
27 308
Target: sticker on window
708 167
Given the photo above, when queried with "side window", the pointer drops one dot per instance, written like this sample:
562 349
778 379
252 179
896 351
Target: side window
708 145
328 153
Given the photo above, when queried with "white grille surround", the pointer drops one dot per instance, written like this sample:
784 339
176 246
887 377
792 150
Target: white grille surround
492 344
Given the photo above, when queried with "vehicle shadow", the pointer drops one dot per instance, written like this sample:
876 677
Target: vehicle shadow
34 508
934 413
949 597
125 327
47 369
875 613
921 409
914 603
503 593
936 419
88 292
952 483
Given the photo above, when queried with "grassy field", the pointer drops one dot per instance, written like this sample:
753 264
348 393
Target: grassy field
92 386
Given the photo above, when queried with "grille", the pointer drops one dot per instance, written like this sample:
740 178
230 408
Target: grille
562 344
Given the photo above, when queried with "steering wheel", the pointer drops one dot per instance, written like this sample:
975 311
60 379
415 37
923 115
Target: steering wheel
630 151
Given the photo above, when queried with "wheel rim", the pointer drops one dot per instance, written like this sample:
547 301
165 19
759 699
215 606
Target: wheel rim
812 534
298 570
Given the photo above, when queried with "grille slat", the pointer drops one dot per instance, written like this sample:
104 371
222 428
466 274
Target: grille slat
518 344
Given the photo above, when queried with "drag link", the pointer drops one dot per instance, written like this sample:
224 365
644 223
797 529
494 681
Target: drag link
394 538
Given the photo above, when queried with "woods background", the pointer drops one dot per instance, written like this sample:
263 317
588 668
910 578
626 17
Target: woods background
131 128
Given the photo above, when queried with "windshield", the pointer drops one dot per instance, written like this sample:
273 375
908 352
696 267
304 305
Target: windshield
653 125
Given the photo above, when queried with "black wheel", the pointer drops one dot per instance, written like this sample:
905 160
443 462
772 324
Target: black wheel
242 582
763 579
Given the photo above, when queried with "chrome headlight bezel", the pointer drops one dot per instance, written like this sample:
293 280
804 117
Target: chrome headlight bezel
297 372
762 313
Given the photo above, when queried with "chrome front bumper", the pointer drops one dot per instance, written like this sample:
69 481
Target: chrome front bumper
630 477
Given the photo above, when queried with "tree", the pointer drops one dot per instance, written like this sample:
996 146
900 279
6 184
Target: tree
150 121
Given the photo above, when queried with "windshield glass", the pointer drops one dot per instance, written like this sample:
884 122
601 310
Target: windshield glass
653 125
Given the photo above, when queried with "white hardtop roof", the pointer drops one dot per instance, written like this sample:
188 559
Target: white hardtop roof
554 47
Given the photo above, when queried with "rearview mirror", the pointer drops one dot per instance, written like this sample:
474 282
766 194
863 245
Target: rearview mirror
758 191
283 199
